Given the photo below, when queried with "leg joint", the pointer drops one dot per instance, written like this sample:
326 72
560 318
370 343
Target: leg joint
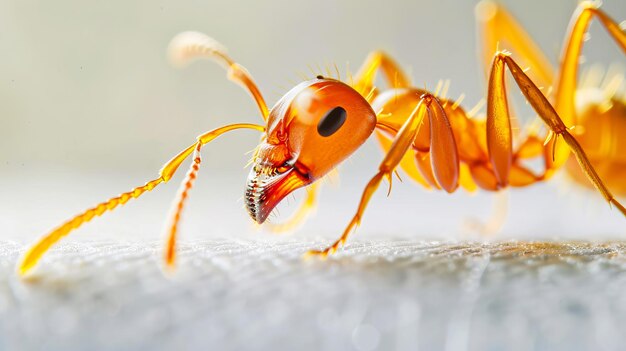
427 98
501 55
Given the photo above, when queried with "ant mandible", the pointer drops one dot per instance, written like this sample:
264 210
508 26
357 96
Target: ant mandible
320 122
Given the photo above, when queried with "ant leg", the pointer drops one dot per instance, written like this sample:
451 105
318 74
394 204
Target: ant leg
564 102
566 84
189 46
377 60
34 253
307 206
443 152
498 125
407 164
401 144
497 94
499 212
499 29
396 78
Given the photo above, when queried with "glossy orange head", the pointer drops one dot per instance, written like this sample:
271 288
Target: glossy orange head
310 130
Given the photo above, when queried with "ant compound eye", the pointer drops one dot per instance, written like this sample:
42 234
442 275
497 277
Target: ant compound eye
332 121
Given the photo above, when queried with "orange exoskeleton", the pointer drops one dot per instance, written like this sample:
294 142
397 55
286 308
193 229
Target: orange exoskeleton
322 121
310 130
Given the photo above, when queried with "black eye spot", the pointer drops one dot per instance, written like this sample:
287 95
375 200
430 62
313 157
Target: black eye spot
332 121
320 77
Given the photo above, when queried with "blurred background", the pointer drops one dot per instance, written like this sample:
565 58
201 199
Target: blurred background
90 107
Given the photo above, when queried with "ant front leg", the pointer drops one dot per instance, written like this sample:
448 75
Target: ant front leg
34 253
444 156
308 205
498 113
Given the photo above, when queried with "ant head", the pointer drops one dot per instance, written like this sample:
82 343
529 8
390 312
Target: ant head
310 130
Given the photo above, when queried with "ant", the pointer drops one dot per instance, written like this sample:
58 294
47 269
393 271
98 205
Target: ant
320 122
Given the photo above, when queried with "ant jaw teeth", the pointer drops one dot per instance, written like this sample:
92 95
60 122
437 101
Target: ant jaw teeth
258 187
254 197
266 187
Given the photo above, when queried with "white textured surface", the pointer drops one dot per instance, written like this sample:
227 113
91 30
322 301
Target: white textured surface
253 290
260 294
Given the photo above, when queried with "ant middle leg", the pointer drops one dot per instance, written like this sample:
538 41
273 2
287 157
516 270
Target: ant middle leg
376 61
444 157
501 31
